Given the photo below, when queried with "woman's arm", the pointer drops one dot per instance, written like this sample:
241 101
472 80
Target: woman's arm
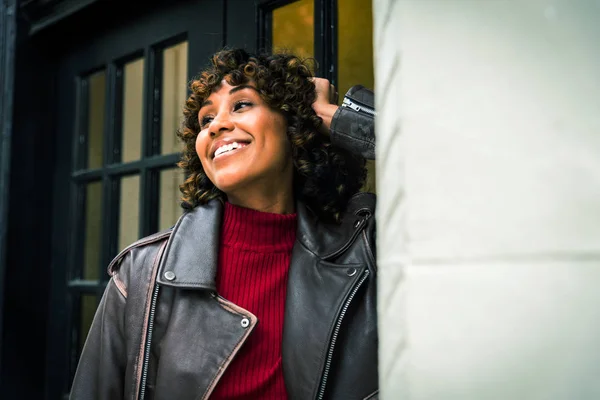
352 125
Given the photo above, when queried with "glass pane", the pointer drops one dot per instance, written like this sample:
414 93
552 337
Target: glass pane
129 210
174 94
88 309
170 198
293 28
133 101
355 55
96 111
93 229
355 44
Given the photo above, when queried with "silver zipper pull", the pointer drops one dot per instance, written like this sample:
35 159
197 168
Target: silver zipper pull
364 109
351 105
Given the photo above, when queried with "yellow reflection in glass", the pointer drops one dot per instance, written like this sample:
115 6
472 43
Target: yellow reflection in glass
133 101
355 55
129 213
293 28
93 229
96 112
174 94
170 198
88 309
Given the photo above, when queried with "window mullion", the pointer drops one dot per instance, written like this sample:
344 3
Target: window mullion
110 187
326 38
150 141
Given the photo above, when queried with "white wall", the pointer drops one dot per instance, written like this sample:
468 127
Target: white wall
488 161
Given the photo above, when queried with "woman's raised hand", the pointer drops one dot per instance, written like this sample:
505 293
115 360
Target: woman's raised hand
325 104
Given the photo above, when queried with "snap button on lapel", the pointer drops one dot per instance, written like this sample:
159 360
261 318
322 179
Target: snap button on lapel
351 271
169 275
245 322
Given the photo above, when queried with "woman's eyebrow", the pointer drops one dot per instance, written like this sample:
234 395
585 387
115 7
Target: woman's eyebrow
232 91
241 87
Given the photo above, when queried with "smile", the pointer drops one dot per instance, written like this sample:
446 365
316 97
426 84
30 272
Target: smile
229 149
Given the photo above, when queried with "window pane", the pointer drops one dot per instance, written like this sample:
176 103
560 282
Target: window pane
129 210
88 306
170 198
96 111
133 101
174 94
93 229
293 28
355 55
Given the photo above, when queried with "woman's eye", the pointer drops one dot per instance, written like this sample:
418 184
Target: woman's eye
241 104
205 121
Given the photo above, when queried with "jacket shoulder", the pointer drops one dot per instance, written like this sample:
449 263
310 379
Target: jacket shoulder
142 243
362 94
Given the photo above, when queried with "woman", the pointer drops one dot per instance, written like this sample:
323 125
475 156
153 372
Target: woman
265 287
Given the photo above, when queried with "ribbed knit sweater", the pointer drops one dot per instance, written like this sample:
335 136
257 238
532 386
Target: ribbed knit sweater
253 264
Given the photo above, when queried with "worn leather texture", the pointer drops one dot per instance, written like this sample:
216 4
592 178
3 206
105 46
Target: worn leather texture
352 130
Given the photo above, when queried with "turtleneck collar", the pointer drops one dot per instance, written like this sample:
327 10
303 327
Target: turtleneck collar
257 231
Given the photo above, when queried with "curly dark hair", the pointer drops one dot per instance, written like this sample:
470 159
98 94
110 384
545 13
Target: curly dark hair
325 176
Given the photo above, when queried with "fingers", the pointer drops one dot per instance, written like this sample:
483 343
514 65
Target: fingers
325 105
333 94
325 90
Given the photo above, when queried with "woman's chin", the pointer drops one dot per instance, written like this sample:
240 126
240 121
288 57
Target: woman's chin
230 185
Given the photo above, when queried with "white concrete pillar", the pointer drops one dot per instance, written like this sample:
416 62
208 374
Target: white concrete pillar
488 163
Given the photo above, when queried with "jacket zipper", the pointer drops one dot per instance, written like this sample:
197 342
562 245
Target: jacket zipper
358 107
148 343
336 332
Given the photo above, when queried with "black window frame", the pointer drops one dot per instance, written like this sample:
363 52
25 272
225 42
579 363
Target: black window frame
148 168
325 33
146 33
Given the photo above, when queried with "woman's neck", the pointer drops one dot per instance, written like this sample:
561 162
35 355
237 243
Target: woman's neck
277 202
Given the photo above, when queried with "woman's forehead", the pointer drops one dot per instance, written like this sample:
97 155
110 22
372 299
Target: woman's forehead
225 89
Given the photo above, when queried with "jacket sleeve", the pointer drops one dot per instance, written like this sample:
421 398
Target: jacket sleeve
101 370
353 124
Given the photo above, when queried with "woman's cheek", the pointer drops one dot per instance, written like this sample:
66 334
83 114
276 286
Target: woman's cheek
200 147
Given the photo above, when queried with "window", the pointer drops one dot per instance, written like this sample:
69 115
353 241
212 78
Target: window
355 55
124 179
293 28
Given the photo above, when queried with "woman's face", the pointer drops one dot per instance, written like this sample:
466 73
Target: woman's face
242 143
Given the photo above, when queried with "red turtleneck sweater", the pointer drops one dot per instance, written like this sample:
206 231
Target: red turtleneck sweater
253 263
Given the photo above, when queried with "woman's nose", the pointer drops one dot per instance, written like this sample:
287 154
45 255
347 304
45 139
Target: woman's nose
220 124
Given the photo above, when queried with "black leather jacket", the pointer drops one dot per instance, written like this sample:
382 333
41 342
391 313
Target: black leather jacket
162 332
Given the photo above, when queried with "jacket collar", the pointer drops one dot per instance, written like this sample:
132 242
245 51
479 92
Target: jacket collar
190 259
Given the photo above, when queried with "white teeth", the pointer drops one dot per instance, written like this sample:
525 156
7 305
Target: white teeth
227 147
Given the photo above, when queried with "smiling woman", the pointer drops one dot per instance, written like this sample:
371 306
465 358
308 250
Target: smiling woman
274 232
268 100
244 149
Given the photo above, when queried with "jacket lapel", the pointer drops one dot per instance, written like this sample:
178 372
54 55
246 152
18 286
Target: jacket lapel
317 291
202 333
